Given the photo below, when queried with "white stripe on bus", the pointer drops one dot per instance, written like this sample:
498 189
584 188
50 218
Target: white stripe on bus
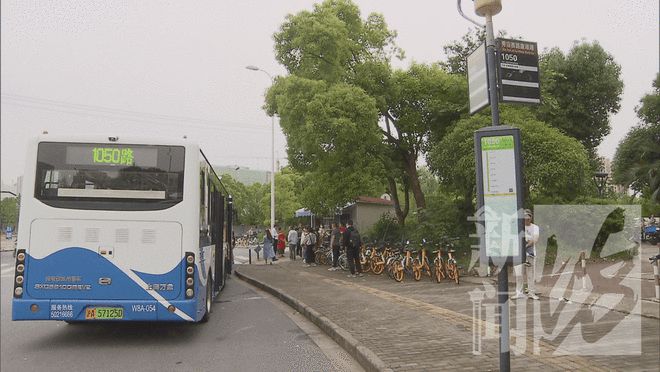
154 293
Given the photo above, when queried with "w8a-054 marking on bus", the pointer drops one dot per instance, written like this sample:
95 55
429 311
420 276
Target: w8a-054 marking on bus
143 308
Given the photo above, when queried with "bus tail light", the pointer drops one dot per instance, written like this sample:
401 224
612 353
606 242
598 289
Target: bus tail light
190 274
19 279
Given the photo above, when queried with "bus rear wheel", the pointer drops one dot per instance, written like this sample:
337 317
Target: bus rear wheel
208 304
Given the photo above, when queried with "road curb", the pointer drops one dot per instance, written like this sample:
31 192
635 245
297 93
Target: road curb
363 355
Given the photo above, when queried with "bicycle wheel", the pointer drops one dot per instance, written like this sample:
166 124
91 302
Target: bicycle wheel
343 262
365 263
389 266
451 272
416 270
377 265
397 271
439 272
454 269
426 269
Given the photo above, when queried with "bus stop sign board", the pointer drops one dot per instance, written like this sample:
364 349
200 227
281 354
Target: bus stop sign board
518 71
499 193
478 79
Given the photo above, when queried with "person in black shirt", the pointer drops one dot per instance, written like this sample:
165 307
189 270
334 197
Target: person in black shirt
352 252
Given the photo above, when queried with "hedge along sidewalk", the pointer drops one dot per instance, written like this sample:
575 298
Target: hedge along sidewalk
407 326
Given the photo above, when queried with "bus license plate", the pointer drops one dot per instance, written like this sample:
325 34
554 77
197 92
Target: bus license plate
104 313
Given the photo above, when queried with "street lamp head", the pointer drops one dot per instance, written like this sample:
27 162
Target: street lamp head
253 68
487 7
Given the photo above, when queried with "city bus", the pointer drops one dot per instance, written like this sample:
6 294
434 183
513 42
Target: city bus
120 229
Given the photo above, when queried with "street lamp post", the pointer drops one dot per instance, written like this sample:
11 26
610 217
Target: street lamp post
272 148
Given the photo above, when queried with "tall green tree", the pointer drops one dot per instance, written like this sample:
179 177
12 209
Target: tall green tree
342 98
637 159
287 200
8 212
580 91
556 167
247 200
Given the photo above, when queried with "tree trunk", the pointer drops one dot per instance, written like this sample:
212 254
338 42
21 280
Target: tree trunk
411 171
400 213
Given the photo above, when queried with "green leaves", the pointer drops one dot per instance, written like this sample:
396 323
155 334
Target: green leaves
555 168
9 212
327 43
580 90
637 159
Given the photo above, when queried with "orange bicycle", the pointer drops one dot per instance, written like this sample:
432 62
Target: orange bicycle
452 265
439 269
406 266
422 263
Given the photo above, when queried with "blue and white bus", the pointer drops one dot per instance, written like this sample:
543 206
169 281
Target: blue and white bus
120 229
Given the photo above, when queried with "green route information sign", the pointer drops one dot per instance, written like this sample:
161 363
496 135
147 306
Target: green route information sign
499 180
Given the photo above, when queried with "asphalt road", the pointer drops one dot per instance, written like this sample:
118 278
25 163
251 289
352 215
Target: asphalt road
248 331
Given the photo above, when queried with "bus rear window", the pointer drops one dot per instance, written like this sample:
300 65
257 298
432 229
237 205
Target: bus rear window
109 176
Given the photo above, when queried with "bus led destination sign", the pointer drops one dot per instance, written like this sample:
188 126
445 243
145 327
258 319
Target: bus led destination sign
118 155
113 155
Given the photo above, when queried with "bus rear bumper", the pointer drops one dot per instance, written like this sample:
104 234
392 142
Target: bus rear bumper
86 310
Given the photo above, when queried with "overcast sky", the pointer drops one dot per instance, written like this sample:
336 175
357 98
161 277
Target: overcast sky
174 68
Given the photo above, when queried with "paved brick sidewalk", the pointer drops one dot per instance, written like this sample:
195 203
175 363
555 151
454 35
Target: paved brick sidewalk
415 326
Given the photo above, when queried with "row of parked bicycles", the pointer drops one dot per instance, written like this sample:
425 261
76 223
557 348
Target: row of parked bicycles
402 260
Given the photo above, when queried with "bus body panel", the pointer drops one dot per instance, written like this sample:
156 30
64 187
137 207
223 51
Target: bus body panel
71 247
92 259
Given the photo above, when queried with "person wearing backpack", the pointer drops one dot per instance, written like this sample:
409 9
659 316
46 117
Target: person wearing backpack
352 242
308 241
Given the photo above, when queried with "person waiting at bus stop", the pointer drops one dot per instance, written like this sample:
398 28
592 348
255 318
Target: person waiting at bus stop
531 237
292 238
269 251
352 251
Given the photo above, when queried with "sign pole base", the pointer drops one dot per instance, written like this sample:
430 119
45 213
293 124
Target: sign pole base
503 302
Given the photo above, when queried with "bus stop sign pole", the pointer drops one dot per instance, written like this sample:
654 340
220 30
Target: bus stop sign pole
488 8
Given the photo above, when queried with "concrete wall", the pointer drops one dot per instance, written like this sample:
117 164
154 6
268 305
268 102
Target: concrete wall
366 215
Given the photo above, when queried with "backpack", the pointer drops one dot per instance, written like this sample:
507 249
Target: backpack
354 238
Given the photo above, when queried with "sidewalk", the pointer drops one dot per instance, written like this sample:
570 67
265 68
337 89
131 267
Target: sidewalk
417 326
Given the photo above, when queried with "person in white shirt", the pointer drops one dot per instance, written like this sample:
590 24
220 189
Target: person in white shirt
293 242
531 237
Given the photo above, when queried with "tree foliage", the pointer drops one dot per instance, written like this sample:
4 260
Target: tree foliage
287 199
341 86
580 90
8 212
637 159
458 51
247 200
555 166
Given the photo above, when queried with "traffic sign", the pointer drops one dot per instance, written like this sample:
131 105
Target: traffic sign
478 79
518 71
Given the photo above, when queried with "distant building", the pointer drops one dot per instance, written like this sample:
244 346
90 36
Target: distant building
366 211
607 168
